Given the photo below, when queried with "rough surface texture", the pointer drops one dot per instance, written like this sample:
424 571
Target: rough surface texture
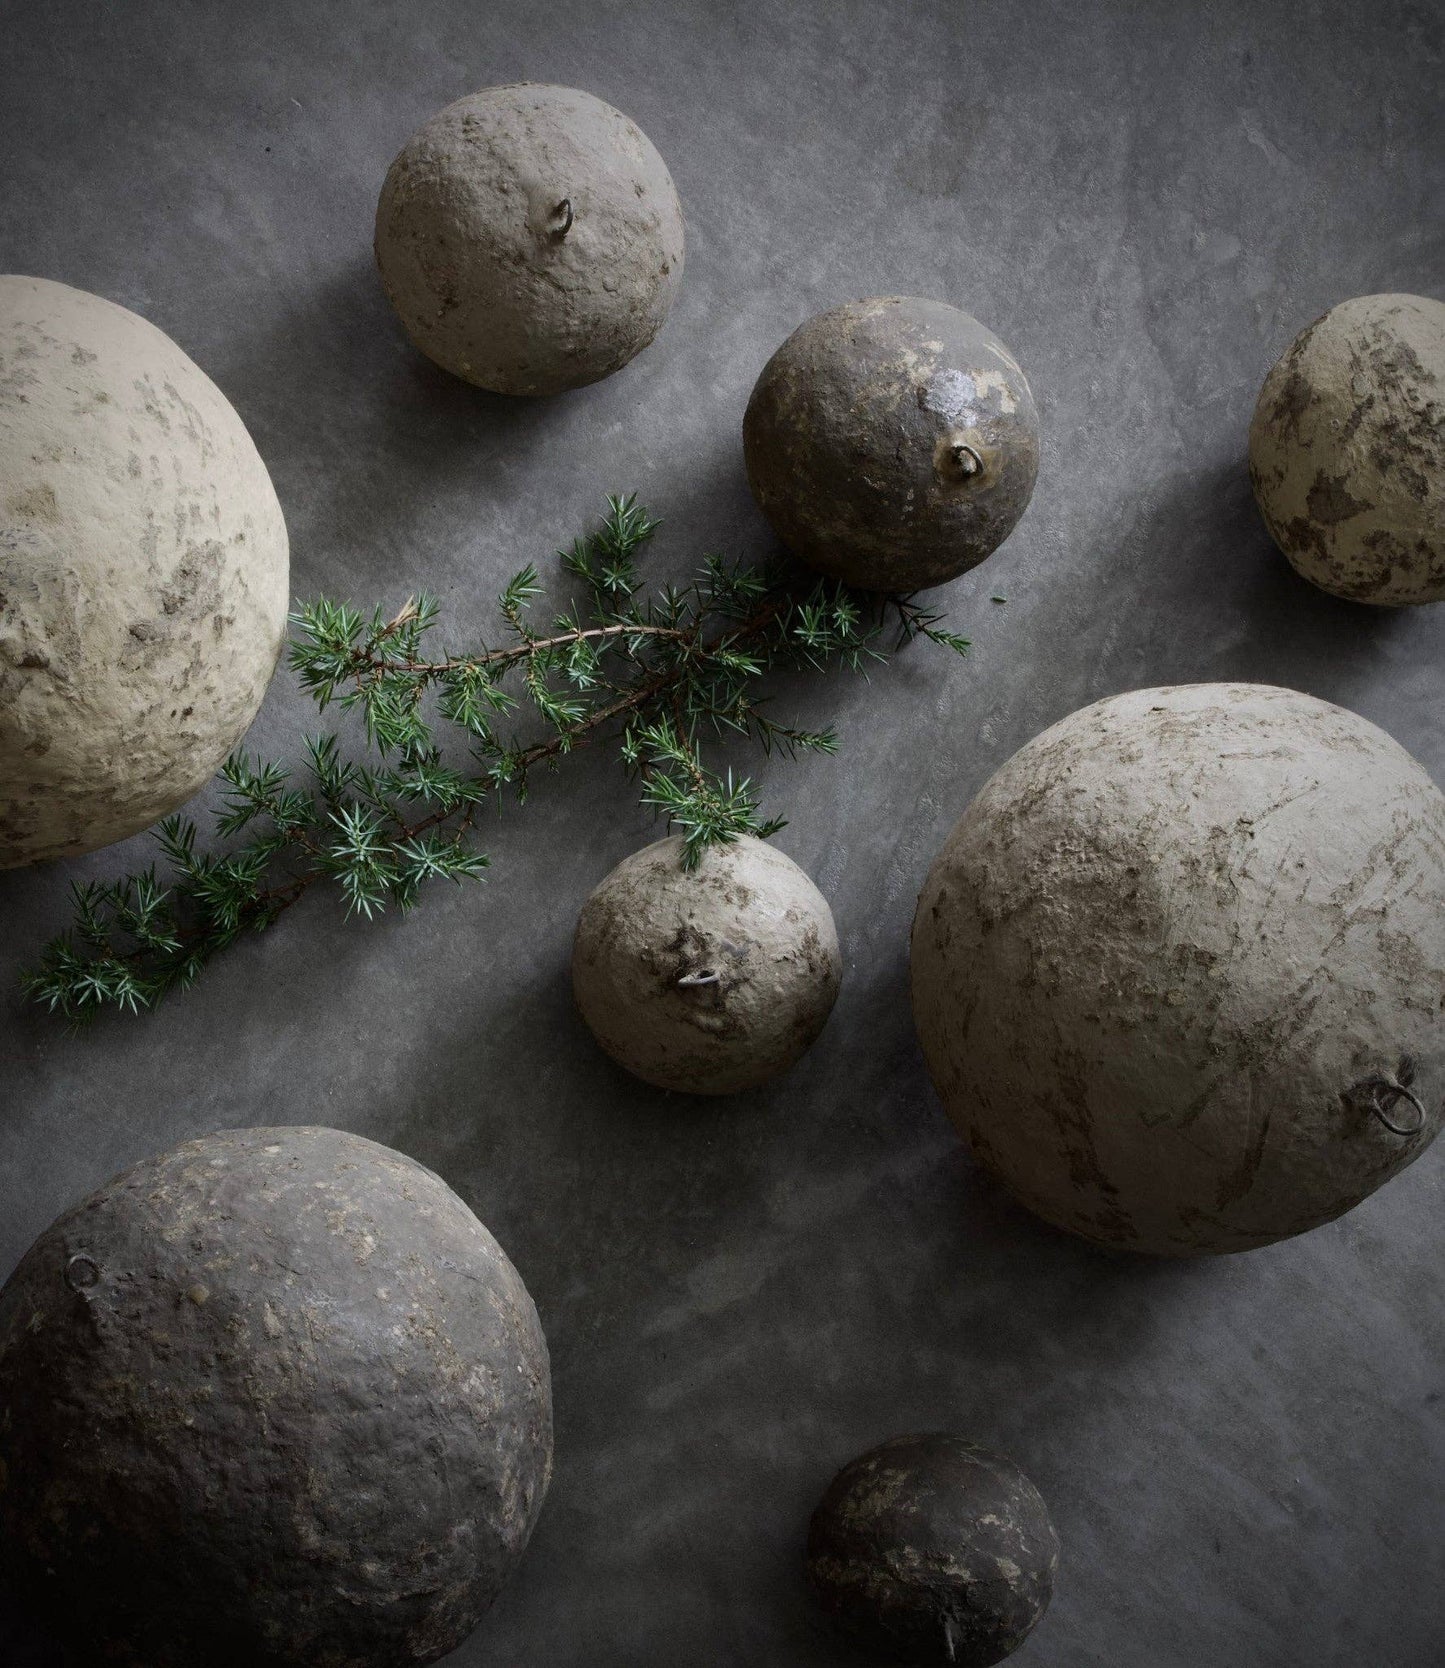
710 980
892 442
530 239
143 573
1165 955
1347 450
1242 1454
933 1550
274 1398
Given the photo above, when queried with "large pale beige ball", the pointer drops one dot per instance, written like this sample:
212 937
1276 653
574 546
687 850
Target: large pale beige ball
143 573
1347 450
707 980
1181 966
530 239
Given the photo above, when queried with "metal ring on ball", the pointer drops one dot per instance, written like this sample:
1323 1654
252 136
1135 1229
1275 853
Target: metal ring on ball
1397 1091
966 458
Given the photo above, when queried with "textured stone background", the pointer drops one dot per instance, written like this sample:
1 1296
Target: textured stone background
1146 201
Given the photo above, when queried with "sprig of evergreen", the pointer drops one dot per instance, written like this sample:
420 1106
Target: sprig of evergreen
661 673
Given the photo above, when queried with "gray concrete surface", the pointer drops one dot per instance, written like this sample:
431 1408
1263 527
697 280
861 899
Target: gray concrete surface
1146 201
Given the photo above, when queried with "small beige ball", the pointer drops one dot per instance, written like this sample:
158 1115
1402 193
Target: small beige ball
530 239
708 980
1347 450
143 573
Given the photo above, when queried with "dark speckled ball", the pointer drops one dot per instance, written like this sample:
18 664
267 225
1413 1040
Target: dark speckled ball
933 1550
892 443
273 1398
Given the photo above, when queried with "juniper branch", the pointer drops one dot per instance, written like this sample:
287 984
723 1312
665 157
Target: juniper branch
658 674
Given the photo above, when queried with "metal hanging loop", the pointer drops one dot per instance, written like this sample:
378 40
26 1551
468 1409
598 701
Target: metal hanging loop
965 459
1381 1092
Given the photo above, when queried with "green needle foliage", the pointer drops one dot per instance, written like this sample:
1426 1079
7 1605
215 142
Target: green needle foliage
449 734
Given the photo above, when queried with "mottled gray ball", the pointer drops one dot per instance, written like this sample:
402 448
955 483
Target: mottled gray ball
1181 965
933 1550
892 443
272 1399
530 239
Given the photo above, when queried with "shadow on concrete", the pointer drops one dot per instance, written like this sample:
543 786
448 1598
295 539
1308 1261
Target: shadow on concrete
1204 532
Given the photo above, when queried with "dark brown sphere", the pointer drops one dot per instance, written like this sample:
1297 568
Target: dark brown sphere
272 1399
933 1550
892 443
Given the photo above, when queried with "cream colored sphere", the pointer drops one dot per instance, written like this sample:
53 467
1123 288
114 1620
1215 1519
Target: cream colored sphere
143 573
708 980
1347 450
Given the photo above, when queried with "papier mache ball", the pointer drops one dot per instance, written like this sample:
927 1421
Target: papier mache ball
530 239
274 1398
